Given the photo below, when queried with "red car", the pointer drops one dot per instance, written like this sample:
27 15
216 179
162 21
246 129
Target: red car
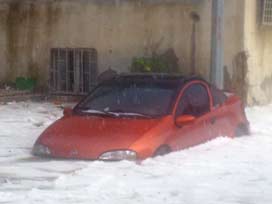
133 117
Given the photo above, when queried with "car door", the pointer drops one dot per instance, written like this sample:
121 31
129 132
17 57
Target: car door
223 120
195 100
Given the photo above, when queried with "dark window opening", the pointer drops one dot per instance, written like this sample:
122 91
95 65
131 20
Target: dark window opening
72 71
194 101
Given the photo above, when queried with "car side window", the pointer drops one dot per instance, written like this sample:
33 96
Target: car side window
194 101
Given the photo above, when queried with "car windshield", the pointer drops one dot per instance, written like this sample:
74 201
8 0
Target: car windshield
138 98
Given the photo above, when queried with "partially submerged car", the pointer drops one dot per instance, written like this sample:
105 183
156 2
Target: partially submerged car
136 116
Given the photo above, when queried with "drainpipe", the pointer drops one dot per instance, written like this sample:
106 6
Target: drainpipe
217 44
195 18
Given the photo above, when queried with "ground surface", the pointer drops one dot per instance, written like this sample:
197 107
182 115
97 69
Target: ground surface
225 171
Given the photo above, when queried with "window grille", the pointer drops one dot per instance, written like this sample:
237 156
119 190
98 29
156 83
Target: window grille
267 12
72 71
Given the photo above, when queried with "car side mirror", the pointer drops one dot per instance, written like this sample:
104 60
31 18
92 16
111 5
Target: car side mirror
67 112
185 120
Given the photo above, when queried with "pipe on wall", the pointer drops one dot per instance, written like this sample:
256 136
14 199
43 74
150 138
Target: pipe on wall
217 44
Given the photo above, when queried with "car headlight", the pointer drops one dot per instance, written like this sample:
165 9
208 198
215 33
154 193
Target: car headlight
119 155
41 150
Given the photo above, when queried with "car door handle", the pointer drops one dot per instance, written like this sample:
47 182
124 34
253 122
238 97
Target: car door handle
213 120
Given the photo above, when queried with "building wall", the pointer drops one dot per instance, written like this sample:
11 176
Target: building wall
119 30
3 42
258 44
232 39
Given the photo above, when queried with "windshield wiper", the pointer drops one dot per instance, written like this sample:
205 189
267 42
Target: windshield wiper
115 113
99 112
124 113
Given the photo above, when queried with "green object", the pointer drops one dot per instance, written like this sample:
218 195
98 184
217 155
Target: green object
25 83
149 64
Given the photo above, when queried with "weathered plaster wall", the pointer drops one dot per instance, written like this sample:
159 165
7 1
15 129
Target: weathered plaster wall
27 32
3 42
234 60
258 43
119 30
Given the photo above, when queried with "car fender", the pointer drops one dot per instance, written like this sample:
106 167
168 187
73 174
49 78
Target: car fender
154 138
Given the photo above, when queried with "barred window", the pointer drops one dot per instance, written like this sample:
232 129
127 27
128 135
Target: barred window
72 70
267 12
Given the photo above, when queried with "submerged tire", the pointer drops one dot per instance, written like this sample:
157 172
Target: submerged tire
162 150
241 130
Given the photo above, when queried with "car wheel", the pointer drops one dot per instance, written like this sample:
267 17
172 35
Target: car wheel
241 130
162 150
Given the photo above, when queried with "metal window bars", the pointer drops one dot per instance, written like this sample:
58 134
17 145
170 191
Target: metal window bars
267 12
73 71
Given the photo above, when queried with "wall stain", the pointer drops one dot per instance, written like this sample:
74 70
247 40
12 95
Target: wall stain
238 83
23 23
33 21
266 85
53 13
14 18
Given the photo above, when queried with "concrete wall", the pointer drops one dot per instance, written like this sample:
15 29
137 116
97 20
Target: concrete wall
233 40
25 32
119 30
258 44
3 42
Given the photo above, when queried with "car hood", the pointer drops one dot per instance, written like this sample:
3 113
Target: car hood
87 137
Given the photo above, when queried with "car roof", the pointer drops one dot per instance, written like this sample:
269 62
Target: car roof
158 77
172 79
